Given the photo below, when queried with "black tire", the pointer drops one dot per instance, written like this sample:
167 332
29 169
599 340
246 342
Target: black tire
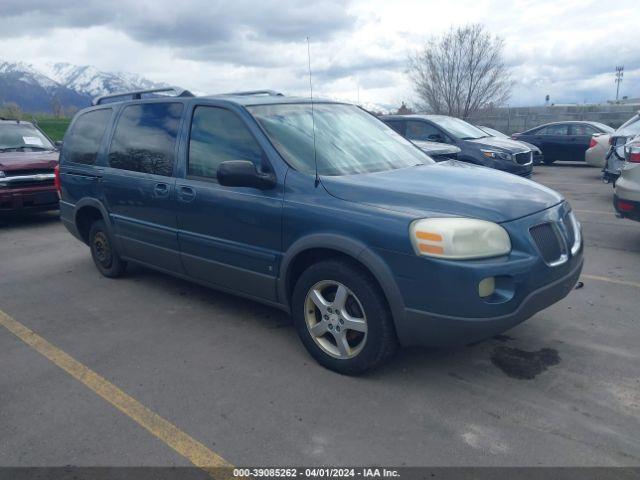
380 342
103 251
548 161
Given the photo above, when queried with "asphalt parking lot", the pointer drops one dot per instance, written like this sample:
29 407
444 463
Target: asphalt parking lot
562 389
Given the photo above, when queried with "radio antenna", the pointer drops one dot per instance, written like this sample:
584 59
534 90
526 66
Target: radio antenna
313 118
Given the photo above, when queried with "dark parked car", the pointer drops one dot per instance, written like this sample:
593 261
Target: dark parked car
440 152
538 157
475 145
615 158
320 210
563 141
27 160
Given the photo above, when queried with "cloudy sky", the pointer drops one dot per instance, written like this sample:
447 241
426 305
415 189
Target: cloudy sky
565 48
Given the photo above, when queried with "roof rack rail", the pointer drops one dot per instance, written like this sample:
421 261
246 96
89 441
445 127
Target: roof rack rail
270 93
137 94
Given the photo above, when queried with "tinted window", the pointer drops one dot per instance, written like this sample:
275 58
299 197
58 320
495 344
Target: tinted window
81 144
560 129
422 131
583 129
145 138
218 135
396 125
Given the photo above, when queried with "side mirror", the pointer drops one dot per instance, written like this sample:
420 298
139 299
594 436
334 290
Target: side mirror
436 138
243 173
58 144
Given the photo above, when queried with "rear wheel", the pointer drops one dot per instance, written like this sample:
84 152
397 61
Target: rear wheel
342 317
103 251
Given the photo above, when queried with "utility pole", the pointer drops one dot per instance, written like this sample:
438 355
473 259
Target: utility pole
619 75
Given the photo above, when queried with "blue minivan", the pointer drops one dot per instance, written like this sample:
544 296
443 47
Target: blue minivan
321 210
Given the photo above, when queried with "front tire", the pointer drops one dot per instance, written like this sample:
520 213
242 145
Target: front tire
342 317
103 251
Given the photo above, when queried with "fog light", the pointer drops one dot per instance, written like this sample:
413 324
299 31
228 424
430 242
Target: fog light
487 287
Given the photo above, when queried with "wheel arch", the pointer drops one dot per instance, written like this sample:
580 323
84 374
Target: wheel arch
311 249
87 211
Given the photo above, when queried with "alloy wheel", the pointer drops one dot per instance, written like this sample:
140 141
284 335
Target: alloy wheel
335 319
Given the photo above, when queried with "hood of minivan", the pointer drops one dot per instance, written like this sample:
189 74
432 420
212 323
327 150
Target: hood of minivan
446 188
11 161
503 144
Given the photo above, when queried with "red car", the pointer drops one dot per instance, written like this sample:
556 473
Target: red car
27 162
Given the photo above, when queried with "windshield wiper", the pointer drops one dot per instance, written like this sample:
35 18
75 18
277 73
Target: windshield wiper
23 147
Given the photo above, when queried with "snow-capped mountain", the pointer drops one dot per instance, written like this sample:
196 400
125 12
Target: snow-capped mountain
36 89
91 81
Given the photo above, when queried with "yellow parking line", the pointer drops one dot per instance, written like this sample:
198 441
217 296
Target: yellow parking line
171 435
612 280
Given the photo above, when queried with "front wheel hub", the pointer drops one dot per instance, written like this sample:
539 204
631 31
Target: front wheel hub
335 319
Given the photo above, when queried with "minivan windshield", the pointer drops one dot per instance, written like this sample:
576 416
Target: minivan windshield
21 136
459 128
347 139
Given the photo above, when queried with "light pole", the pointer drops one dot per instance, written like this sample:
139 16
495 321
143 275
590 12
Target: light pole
619 75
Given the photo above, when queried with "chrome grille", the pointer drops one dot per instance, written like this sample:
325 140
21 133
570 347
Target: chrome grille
549 243
29 171
524 158
568 225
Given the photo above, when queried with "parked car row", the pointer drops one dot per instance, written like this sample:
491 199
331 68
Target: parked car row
320 209
474 144
563 141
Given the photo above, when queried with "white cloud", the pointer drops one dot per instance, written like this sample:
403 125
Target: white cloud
564 48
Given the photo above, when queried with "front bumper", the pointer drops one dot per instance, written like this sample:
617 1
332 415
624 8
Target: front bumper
515 168
32 198
428 329
441 301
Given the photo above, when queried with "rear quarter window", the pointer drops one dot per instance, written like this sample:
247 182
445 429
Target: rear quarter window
82 142
145 138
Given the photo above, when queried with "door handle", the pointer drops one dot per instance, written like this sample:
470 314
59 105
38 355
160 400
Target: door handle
161 190
186 194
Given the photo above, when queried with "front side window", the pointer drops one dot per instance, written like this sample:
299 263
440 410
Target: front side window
417 130
145 138
22 136
218 135
347 139
583 129
83 140
560 129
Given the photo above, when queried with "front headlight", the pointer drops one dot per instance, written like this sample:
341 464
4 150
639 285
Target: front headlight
459 238
497 155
